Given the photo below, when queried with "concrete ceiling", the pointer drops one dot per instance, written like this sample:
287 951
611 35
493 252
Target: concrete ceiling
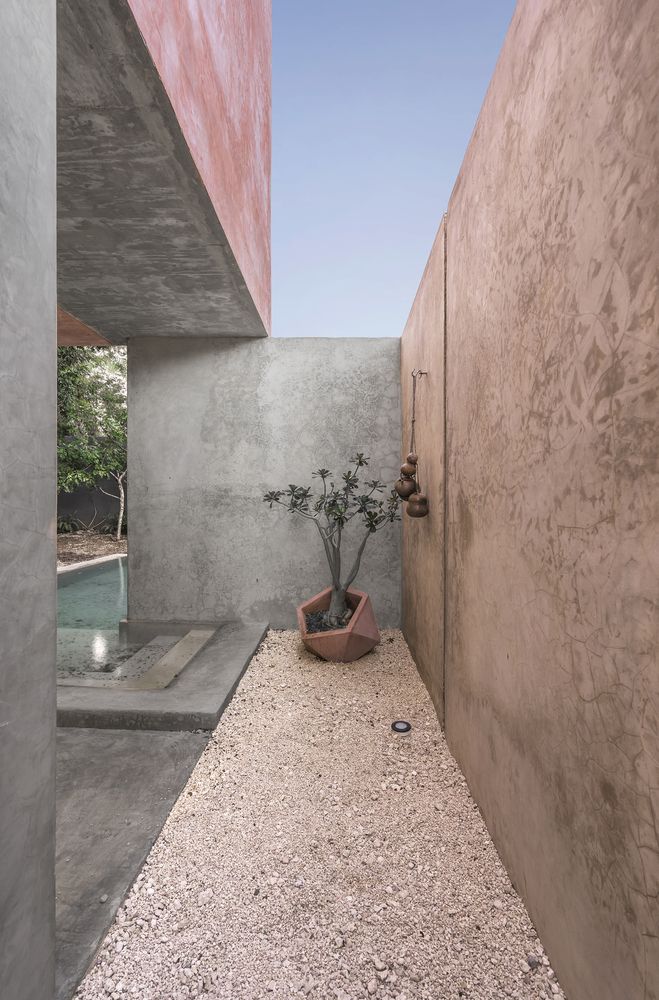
141 251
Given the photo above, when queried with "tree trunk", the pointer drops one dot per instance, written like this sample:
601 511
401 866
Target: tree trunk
122 506
338 607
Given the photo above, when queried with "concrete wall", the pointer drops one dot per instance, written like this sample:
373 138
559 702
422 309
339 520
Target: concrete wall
215 424
27 499
422 347
552 687
214 59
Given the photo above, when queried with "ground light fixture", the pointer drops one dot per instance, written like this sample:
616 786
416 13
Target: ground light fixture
400 726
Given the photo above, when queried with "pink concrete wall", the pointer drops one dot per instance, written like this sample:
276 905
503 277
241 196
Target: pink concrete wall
552 577
71 332
214 58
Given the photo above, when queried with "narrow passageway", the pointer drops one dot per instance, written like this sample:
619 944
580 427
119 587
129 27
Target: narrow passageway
316 853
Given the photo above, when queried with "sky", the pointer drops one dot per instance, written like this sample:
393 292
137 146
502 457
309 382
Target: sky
374 102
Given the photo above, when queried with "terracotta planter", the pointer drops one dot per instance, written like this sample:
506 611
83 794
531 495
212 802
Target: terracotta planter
341 645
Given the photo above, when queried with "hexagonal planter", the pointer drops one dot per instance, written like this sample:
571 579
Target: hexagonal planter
341 645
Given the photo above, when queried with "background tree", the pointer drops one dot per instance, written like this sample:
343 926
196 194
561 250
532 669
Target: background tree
331 511
92 420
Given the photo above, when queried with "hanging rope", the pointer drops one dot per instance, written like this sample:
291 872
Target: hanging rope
416 373
414 376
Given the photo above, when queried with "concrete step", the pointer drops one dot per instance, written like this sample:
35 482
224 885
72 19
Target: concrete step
125 661
194 697
169 666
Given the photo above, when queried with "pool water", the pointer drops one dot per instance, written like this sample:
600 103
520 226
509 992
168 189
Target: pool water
93 596
91 601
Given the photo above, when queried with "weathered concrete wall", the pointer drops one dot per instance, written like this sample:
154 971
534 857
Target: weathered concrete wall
215 424
552 687
214 58
422 347
27 499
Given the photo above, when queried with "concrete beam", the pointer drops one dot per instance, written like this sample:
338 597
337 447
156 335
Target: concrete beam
140 246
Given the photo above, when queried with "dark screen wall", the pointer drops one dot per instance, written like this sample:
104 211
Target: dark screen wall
90 507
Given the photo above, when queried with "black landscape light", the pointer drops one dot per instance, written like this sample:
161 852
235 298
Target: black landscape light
400 726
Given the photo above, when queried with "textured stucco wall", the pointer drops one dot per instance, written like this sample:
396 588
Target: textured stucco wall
422 346
214 59
212 426
552 686
27 499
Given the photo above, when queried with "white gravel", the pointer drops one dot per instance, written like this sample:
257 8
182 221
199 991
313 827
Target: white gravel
316 853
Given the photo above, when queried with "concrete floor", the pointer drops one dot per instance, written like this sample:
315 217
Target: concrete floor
115 790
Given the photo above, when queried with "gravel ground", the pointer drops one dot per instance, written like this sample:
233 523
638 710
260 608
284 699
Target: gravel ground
315 853
79 546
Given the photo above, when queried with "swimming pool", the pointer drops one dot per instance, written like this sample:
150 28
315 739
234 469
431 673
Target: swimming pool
91 601
93 596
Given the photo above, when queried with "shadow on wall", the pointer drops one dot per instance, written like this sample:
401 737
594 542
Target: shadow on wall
422 347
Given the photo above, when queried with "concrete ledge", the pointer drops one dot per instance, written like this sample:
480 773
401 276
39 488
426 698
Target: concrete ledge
173 662
71 567
135 630
194 700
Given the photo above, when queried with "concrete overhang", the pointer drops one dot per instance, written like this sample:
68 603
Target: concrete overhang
141 251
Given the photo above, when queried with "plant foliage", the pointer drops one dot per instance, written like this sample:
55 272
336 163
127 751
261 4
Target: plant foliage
91 418
331 507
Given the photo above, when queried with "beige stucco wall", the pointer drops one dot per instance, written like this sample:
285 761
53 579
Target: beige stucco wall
422 347
552 682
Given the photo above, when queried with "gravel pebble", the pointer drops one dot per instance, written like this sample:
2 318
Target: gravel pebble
322 826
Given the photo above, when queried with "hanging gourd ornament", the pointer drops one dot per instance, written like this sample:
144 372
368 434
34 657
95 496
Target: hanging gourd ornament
407 487
417 505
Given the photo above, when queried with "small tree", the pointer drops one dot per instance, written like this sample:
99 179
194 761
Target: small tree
331 511
92 420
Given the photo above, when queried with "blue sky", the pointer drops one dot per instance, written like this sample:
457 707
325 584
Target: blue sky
374 102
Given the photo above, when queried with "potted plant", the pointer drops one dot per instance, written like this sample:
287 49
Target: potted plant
339 623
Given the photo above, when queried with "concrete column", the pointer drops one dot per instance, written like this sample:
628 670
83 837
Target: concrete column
27 498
